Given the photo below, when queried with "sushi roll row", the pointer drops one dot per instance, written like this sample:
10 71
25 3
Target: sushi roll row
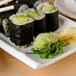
25 25
21 26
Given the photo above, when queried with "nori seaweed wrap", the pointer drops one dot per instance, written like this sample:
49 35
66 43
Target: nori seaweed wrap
21 29
40 21
51 12
30 3
1 27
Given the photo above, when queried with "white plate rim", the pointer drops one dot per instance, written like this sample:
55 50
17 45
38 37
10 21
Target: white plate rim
64 10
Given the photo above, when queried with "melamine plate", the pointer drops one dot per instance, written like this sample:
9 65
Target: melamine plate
33 60
63 9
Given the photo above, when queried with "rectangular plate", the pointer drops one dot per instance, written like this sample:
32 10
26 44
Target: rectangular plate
33 60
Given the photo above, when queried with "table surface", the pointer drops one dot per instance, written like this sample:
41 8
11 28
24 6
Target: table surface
10 66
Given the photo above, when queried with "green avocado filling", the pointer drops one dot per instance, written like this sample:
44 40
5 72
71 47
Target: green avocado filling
21 18
33 13
46 45
48 8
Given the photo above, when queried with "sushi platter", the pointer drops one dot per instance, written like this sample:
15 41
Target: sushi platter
33 60
24 26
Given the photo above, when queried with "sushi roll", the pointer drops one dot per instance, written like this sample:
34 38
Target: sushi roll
21 29
4 20
51 12
40 21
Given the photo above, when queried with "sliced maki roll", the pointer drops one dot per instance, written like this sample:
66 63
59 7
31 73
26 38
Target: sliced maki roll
21 29
40 21
4 16
51 12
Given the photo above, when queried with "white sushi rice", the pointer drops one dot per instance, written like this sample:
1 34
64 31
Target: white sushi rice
5 26
38 7
22 8
20 23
